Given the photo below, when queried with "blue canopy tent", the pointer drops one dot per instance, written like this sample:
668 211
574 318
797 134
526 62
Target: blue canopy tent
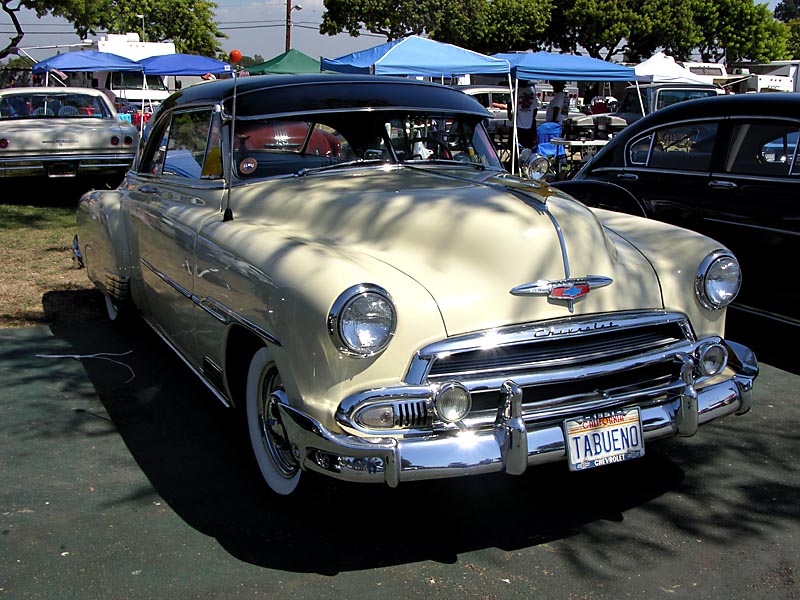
183 64
84 61
548 66
414 55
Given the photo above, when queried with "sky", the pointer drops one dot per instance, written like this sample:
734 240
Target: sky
252 28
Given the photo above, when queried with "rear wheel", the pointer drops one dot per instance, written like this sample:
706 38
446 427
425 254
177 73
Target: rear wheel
271 446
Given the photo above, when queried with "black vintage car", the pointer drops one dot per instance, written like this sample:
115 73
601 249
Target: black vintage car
726 167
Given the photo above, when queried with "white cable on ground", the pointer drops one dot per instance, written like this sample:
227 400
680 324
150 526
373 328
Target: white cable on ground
99 355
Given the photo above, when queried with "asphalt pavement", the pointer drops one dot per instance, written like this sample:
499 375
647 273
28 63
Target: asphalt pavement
122 477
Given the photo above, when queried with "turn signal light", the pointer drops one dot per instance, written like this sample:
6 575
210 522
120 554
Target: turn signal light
3 143
115 141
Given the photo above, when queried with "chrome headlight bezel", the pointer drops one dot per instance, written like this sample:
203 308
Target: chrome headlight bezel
535 166
344 329
718 280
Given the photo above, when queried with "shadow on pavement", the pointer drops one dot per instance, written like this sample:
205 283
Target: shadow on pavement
197 459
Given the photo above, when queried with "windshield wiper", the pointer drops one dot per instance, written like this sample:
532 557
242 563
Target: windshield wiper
350 163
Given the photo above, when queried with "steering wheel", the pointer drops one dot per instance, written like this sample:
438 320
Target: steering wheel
439 148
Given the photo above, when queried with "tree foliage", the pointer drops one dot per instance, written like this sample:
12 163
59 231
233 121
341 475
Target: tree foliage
187 23
793 39
496 26
393 18
606 29
787 10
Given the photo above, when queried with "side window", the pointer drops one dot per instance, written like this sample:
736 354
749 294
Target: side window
153 157
639 150
186 146
761 148
212 163
685 147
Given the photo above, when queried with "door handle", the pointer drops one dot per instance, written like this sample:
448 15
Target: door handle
628 177
722 185
148 189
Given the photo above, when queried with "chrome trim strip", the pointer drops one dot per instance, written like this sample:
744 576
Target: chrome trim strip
216 309
187 362
163 277
226 315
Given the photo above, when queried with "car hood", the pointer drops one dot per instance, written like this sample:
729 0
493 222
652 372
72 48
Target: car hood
468 240
37 135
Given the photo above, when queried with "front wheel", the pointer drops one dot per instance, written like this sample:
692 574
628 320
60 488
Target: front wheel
271 446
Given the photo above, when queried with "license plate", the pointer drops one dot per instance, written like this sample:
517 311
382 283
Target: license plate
603 439
67 169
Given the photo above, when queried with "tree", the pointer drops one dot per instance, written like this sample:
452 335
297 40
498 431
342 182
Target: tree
665 25
11 8
787 10
393 18
739 30
188 23
599 27
793 40
495 26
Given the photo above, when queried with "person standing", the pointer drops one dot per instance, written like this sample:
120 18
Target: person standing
558 107
527 107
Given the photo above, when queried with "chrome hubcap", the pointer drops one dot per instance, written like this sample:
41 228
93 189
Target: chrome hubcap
273 434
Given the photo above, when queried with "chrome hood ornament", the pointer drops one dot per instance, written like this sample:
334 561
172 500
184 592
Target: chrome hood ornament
562 289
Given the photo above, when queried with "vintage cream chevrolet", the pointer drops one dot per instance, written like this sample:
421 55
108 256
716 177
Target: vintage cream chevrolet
344 259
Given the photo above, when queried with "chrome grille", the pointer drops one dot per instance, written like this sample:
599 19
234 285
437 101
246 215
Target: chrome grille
588 349
564 366
412 414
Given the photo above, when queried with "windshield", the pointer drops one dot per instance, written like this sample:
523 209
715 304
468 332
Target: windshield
47 104
132 80
266 147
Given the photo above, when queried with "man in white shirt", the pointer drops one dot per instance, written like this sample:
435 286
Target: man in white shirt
558 107
528 106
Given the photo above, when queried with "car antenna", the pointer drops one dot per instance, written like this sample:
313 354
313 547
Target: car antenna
227 215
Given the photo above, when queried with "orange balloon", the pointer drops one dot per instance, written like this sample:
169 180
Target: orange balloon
236 56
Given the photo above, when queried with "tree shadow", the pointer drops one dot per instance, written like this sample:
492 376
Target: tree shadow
195 455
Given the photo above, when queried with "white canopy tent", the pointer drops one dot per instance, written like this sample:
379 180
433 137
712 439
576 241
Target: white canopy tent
661 68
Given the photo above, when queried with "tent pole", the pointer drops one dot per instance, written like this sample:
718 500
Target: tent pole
514 99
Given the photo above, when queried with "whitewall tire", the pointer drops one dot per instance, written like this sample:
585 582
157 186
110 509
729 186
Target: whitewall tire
271 445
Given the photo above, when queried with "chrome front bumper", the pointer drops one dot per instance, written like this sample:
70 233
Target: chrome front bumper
511 444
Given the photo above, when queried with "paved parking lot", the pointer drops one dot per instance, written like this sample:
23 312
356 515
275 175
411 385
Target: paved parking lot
120 476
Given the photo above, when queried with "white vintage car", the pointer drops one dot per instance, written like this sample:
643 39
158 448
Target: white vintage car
343 259
63 132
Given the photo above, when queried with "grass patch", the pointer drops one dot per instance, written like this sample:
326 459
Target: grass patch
35 258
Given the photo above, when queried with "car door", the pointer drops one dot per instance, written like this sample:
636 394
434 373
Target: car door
666 169
752 205
178 186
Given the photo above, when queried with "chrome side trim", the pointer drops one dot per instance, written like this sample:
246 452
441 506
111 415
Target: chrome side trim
226 315
187 362
216 309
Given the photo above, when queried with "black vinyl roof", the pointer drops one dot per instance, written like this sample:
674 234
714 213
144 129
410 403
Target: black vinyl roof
286 94
765 104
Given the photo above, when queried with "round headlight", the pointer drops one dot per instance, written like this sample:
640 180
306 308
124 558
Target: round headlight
712 358
362 320
718 280
453 402
536 166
